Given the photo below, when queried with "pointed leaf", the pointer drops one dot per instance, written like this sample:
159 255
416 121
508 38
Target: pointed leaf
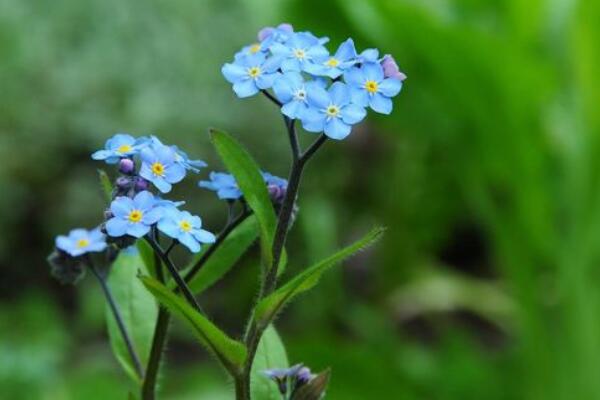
247 174
137 308
106 185
230 352
315 389
270 354
225 257
268 307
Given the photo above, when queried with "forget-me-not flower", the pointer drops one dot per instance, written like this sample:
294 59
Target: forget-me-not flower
186 228
290 90
334 65
133 217
223 184
331 111
252 73
160 166
369 87
299 51
81 241
119 146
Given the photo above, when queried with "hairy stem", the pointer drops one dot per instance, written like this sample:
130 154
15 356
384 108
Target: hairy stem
117 315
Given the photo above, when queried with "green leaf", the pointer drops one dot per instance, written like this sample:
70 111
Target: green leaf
106 185
315 389
269 354
147 255
247 174
268 307
137 307
225 257
231 353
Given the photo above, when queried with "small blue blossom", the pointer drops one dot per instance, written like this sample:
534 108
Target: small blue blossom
290 89
186 228
252 73
117 147
279 34
133 217
331 111
181 157
224 184
81 241
368 55
299 51
334 65
160 166
369 87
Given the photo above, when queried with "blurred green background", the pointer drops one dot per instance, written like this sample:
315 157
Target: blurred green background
486 285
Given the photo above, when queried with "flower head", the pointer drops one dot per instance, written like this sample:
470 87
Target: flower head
133 217
160 166
334 65
331 111
291 91
223 184
81 241
119 146
251 73
299 51
369 87
186 228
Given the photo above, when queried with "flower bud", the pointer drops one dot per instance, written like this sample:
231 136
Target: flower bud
65 268
265 33
390 68
303 376
123 182
126 166
277 193
141 184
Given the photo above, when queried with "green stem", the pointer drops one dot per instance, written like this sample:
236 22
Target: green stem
158 343
120 324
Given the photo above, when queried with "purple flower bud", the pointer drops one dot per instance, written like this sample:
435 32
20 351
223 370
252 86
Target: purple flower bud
286 27
303 376
123 182
126 166
390 68
141 184
277 193
265 33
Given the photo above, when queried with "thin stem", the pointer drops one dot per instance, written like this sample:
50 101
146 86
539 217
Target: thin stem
158 343
117 315
271 97
313 148
171 246
220 239
291 128
175 274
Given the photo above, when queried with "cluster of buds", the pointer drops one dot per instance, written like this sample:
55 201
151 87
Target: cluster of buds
294 382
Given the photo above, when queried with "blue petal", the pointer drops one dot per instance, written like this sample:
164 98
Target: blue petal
354 77
265 80
335 128
373 71
233 72
370 55
153 216
316 52
346 51
137 230
229 193
359 96
339 93
290 64
353 114
63 243
165 155
175 173
381 104
96 246
147 155
188 241
161 184
317 96
293 109
390 87
272 64
116 227
204 236
121 206
245 88
279 49
101 154
144 201
313 120
169 228
282 87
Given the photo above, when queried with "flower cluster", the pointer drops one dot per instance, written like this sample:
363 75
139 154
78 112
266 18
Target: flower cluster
327 92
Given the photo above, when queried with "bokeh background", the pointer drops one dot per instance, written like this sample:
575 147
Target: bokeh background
486 285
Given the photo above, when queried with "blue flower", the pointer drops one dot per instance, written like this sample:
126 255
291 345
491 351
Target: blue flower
186 228
279 34
331 111
81 241
291 92
368 55
251 73
160 166
335 65
299 51
224 184
369 87
119 146
133 217
181 157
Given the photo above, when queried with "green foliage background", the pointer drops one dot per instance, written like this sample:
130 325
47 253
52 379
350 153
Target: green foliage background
486 175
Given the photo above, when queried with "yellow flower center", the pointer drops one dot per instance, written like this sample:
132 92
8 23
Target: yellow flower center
81 243
332 111
332 62
124 148
255 48
185 226
254 72
135 216
299 54
371 86
158 169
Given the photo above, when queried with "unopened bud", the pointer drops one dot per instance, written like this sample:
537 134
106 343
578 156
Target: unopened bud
123 182
390 68
141 184
126 166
